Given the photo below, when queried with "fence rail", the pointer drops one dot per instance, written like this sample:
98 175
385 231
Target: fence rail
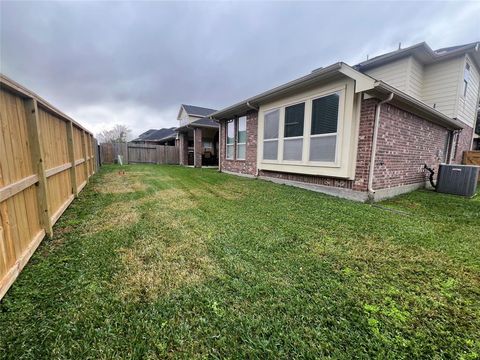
46 159
471 157
139 153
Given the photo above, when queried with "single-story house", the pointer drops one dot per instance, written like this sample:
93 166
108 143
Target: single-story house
359 132
197 136
165 136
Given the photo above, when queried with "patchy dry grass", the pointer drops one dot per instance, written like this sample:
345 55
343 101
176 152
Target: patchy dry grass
169 262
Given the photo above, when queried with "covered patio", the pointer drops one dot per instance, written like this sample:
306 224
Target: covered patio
198 143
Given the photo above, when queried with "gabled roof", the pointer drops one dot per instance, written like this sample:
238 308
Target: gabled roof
157 135
424 54
193 110
205 122
363 82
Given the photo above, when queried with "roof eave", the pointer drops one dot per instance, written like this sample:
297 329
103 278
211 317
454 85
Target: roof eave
421 109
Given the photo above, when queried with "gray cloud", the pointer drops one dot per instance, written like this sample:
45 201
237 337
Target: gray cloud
135 63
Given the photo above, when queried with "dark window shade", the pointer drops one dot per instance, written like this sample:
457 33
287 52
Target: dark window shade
294 117
325 115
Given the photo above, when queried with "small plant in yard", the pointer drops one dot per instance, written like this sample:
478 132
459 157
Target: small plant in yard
171 262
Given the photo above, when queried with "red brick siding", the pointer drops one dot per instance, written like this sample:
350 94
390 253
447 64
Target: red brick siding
197 147
405 143
249 165
464 143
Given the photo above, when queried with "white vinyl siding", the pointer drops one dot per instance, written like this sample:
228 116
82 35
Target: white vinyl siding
441 85
466 107
393 73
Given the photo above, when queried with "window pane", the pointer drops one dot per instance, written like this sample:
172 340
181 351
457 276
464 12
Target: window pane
294 116
325 114
229 151
292 149
323 148
242 129
270 150
271 125
241 152
230 132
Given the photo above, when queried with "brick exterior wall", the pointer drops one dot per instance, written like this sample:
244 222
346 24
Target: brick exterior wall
249 165
405 143
464 143
197 147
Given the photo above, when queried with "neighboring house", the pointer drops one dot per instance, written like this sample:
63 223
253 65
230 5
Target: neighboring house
198 136
165 136
358 132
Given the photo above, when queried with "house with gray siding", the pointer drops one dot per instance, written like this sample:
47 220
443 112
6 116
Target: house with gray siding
359 132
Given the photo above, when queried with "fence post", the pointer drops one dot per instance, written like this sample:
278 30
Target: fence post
36 152
71 158
84 153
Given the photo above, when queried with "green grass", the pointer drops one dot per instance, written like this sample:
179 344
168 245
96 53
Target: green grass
171 262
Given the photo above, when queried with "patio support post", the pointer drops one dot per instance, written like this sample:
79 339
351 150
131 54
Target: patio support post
198 147
183 142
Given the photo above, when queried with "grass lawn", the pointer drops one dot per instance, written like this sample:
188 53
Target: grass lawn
166 261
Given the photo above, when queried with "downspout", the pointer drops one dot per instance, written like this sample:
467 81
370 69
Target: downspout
371 191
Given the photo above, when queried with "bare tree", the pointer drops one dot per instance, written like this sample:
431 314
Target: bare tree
119 133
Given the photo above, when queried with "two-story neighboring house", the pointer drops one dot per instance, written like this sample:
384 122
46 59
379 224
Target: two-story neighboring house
358 132
197 136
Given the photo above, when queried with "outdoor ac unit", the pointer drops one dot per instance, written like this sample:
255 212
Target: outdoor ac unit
457 179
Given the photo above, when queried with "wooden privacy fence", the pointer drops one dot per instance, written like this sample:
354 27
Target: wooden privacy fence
139 153
46 158
471 157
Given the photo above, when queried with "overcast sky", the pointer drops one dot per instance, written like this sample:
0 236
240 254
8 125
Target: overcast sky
134 63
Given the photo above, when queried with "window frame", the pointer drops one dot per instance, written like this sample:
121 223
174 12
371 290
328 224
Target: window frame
466 78
315 136
232 121
277 139
341 90
237 143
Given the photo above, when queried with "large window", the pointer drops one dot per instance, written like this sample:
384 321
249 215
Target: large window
323 134
230 139
270 135
293 132
241 137
305 133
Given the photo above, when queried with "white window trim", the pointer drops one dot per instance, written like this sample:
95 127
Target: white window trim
346 136
277 139
226 140
236 126
307 125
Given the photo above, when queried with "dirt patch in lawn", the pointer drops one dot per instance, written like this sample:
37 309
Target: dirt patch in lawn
121 182
116 215
174 199
154 267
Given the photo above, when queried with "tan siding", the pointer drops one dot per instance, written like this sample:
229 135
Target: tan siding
441 84
394 73
466 107
415 80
